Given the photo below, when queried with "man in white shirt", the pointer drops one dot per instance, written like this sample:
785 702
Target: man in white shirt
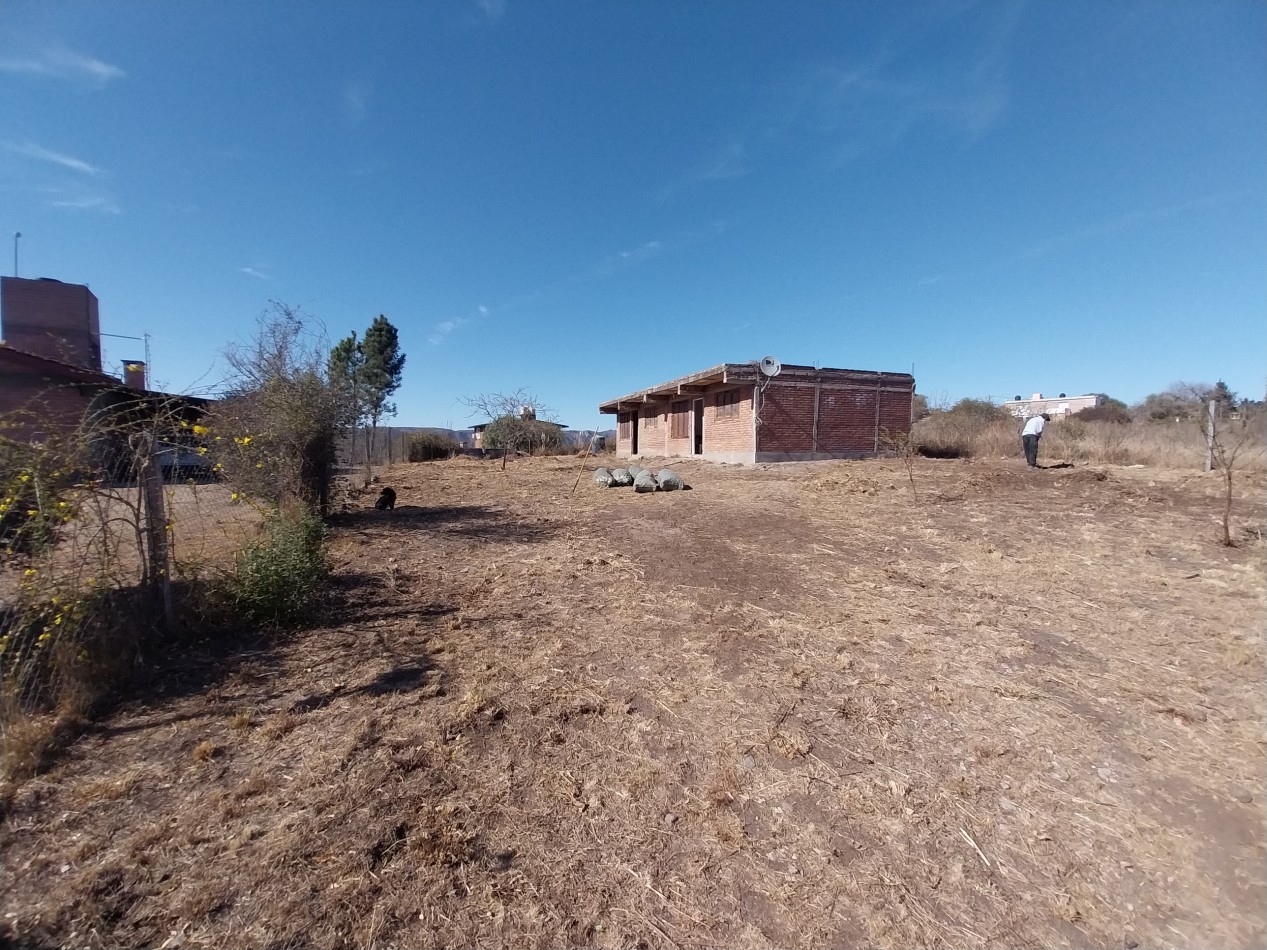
1030 435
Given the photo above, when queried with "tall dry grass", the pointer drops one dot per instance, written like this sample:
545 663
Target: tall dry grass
1173 444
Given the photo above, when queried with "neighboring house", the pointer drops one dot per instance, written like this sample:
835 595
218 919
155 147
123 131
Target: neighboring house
39 395
735 412
526 413
51 378
50 356
1061 405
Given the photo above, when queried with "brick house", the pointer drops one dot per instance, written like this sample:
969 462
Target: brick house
39 395
736 413
50 355
51 378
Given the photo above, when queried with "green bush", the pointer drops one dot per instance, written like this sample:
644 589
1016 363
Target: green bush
428 446
275 578
1111 411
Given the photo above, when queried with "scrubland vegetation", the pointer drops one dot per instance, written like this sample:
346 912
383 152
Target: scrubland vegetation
517 712
1159 433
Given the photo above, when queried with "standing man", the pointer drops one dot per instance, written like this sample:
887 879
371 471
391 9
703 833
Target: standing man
1030 435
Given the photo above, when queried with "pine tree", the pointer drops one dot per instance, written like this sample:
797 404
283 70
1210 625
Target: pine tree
345 372
380 371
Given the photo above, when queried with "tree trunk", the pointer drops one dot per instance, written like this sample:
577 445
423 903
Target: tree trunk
1227 508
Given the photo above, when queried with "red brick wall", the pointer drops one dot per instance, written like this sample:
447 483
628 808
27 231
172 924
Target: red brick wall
730 433
33 407
51 319
653 429
787 419
847 422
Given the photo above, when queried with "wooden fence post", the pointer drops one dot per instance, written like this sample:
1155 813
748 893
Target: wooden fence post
158 553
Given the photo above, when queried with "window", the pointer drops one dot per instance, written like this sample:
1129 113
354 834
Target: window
728 403
624 425
681 426
652 419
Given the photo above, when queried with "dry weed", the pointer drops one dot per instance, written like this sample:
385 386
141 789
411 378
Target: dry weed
665 724
207 750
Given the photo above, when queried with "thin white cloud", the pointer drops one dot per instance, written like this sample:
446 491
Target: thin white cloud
1128 221
729 161
39 153
836 111
623 259
445 327
493 10
100 203
256 272
62 63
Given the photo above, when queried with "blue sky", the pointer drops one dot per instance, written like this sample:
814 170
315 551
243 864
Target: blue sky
584 199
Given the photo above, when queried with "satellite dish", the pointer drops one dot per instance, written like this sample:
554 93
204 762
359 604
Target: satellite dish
769 366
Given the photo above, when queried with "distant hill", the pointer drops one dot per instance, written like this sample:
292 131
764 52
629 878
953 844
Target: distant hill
581 436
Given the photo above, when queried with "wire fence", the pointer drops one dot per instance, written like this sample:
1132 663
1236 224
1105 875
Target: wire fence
84 552
364 448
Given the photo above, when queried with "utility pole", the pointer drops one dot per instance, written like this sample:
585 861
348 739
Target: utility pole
16 235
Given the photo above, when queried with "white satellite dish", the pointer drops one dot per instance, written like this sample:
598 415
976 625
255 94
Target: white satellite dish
769 366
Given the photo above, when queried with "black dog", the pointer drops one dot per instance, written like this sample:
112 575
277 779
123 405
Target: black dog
386 500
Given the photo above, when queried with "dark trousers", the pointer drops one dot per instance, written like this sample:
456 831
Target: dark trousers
1031 449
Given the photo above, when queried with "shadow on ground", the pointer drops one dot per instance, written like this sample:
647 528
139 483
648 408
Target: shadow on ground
473 521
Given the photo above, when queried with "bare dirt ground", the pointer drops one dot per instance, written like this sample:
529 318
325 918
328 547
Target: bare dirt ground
794 707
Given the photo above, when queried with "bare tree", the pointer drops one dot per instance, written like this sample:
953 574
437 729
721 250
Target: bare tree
517 423
904 447
281 413
1228 433
1228 437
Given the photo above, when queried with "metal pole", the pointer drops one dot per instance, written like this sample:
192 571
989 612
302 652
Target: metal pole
16 235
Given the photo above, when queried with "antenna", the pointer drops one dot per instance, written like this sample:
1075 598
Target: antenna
769 366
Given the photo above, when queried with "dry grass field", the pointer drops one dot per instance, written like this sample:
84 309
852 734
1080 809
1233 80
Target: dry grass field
797 706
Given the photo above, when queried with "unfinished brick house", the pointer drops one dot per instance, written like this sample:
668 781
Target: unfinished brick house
736 412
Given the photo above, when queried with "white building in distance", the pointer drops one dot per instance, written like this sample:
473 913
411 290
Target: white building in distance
1061 405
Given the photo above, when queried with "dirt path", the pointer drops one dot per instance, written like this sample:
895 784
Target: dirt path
795 706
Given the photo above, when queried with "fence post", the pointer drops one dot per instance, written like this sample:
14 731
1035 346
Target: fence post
156 527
